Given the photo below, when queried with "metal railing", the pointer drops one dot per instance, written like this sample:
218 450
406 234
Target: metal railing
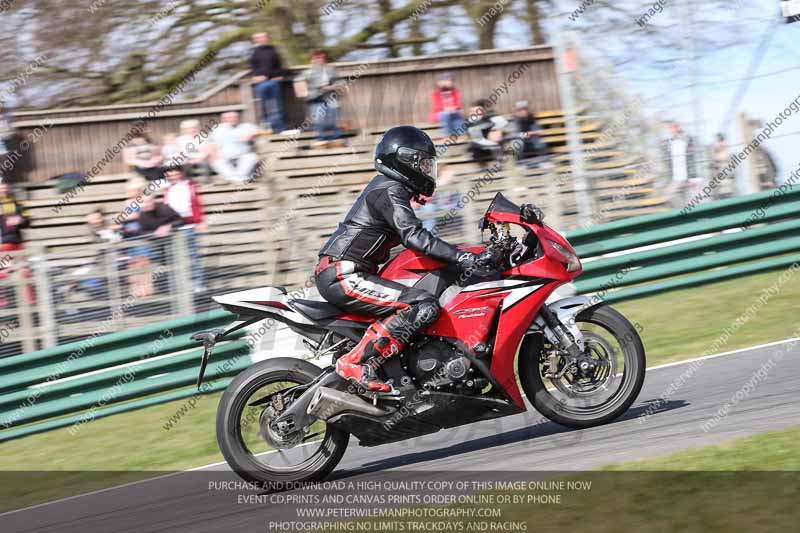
49 298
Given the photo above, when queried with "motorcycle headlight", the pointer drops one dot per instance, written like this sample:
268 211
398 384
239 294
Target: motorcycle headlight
569 258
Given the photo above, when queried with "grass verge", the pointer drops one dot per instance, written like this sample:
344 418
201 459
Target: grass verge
682 324
774 450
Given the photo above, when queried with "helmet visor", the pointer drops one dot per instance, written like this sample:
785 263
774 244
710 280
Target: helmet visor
422 162
428 166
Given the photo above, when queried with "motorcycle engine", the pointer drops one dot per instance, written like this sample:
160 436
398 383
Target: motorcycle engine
437 364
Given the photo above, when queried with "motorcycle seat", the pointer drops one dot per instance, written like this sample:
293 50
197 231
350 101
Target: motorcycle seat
316 309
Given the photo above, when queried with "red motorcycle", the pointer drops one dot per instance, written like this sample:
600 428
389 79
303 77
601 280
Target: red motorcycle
580 362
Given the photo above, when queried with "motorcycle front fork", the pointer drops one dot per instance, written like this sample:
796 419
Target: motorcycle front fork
576 358
565 338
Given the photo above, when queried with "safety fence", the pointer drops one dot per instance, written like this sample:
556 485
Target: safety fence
102 375
48 298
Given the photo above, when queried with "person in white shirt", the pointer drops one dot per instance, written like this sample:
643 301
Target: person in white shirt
192 155
235 159
680 160
183 197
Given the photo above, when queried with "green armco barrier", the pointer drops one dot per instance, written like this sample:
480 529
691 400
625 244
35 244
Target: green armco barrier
626 259
720 243
66 421
178 340
703 279
103 344
95 397
742 204
680 229
63 397
694 263
107 371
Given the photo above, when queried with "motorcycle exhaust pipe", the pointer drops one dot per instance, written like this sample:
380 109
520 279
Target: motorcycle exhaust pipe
328 403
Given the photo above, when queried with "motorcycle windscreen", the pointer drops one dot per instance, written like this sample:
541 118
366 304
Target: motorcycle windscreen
501 204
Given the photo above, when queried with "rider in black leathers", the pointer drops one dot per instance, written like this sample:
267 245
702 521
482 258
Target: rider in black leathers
380 219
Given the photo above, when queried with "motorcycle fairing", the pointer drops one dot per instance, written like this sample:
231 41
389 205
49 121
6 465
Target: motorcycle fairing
425 417
508 305
265 301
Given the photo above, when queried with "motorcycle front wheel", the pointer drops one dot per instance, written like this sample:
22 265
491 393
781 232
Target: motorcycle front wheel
254 447
591 396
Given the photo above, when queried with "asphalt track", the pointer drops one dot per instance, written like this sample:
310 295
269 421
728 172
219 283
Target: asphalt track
762 384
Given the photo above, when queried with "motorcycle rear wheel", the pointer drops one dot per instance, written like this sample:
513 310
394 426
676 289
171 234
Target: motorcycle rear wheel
558 402
235 444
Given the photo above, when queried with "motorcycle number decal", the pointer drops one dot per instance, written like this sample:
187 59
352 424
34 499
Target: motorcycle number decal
471 313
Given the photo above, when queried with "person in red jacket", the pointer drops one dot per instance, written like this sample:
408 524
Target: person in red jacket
446 106
184 198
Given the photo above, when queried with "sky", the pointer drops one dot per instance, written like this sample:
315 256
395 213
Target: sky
776 80
775 85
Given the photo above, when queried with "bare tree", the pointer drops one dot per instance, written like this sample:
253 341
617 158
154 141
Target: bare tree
111 51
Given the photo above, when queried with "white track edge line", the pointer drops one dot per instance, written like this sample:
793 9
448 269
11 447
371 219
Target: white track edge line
723 354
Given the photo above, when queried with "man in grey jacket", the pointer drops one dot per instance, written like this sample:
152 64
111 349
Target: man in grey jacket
322 81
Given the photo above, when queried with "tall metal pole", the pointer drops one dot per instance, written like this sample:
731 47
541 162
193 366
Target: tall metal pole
569 103
698 121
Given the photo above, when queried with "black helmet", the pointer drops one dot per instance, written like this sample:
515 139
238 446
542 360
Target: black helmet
407 154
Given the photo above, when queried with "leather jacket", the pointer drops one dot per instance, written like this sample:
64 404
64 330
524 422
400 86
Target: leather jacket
380 219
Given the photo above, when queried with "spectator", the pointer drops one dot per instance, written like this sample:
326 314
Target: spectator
267 68
193 155
8 164
679 148
140 253
234 158
766 169
720 158
12 220
182 197
529 133
144 157
101 233
446 106
170 149
99 229
127 221
158 218
320 86
486 132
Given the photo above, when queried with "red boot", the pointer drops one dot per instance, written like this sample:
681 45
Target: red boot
358 365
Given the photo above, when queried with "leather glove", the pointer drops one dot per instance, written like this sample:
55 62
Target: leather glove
531 214
475 264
